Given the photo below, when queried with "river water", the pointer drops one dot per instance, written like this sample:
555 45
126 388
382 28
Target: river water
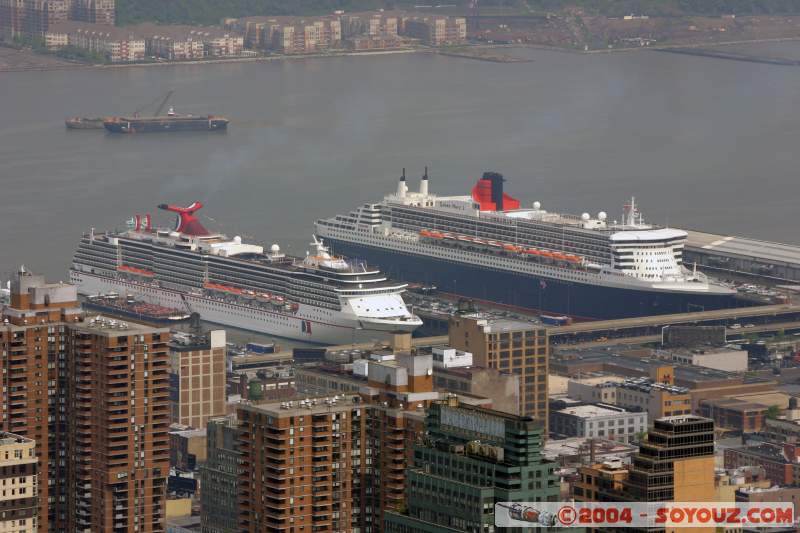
702 143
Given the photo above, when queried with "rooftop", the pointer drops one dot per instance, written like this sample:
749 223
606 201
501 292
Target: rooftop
555 448
7 438
593 411
311 405
494 324
641 366
764 450
73 26
115 327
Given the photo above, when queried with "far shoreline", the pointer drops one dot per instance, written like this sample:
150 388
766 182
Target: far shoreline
66 64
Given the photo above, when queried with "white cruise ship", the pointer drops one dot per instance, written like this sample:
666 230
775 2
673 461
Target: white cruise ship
321 298
487 246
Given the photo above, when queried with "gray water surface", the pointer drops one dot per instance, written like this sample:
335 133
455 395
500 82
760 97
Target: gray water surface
702 143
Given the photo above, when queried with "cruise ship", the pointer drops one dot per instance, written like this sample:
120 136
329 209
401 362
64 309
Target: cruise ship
320 298
487 246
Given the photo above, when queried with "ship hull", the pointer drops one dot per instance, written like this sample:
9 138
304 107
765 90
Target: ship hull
165 125
309 324
523 290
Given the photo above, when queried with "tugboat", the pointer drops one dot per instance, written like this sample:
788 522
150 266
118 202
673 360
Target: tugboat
84 123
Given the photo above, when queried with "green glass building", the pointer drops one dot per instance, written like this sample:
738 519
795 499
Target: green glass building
469 459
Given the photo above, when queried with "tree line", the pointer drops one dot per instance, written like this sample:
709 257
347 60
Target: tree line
207 12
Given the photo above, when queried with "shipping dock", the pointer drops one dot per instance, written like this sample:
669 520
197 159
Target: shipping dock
772 261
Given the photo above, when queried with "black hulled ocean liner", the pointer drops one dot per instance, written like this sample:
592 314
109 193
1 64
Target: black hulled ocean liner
486 246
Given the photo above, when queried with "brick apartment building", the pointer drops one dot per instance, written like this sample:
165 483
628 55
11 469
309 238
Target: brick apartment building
197 378
510 346
93 396
118 427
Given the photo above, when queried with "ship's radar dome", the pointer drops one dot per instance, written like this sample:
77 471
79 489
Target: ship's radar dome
537 205
585 216
602 215
275 248
237 240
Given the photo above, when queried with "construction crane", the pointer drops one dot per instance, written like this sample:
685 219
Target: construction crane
160 107
164 102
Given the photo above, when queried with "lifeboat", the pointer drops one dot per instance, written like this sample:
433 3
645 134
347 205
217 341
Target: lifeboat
511 248
134 270
222 288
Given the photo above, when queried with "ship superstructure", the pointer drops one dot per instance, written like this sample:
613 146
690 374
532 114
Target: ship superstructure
486 245
320 298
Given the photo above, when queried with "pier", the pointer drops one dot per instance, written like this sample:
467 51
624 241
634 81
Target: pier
729 55
775 262
480 54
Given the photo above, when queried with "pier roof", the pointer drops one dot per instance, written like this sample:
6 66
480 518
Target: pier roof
743 246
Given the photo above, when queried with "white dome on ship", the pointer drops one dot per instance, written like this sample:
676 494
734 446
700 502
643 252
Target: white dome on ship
602 215
537 205
274 248
237 240
585 216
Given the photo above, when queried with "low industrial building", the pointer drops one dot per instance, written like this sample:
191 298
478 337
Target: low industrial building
602 421
724 358
735 414
658 399
780 462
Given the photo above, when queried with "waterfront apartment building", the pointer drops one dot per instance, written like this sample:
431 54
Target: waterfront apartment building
34 345
469 459
510 346
603 421
301 36
94 11
19 474
116 45
436 30
219 477
118 427
32 19
370 24
197 378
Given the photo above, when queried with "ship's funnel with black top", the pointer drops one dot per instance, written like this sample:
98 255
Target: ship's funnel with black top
488 192
497 188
